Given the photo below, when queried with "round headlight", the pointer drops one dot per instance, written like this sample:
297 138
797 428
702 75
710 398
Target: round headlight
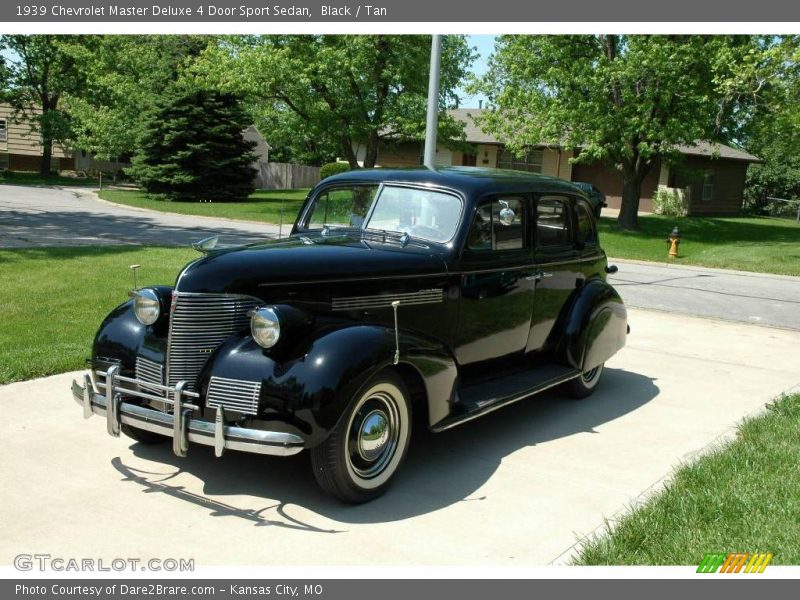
146 306
265 327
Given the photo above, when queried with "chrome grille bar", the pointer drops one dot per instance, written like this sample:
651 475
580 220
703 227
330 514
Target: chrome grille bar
150 372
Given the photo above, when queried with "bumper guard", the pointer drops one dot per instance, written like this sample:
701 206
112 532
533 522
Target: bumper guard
178 425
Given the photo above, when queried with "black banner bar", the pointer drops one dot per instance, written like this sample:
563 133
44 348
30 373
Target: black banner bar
393 11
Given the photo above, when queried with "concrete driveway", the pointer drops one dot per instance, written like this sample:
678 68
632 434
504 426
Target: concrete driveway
518 486
47 216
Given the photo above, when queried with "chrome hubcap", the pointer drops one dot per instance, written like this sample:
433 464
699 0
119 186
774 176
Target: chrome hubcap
373 435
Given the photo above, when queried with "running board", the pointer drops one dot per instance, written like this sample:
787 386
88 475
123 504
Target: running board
485 397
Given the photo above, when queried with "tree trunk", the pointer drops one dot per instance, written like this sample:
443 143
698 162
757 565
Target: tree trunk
47 155
349 155
631 193
371 156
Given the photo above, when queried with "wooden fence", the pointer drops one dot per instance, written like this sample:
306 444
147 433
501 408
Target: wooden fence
285 176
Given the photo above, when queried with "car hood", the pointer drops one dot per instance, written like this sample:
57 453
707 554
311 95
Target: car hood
307 259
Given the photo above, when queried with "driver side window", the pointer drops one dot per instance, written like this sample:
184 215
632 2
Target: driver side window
498 225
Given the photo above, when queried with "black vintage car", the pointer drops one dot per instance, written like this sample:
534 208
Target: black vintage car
439 294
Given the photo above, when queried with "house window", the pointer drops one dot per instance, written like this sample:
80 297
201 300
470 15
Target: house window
708 185
531 161
3 131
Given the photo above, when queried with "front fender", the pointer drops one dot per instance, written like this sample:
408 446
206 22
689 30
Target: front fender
121 337
312 389
596 327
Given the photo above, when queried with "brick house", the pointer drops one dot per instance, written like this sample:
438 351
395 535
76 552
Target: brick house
711 175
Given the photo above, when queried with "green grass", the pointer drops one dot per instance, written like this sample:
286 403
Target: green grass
263 205
745 497
23 178
53 299
761 244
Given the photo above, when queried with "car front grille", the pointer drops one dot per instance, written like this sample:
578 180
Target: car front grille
234 394
150 372
198 324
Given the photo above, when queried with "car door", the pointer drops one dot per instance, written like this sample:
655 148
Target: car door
557 258
497 289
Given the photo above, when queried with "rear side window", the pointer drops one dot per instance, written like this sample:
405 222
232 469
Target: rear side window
587 234
553 224
498 225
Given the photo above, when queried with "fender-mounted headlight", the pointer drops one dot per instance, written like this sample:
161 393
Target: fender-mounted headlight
265 326
146 306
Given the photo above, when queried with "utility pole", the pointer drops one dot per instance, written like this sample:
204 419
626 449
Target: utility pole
432 126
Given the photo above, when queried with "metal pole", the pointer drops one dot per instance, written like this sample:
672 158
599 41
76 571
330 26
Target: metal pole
432 126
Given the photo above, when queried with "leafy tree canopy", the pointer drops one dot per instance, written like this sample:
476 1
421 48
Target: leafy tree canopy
624 100
323 95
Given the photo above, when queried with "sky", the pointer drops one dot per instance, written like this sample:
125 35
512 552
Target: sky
485 46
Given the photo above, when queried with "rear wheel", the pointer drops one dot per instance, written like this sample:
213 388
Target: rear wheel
142 435
361 455
584 385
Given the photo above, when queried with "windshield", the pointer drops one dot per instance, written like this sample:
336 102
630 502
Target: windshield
427 214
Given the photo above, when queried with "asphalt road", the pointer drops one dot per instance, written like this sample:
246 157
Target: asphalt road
518 487
757 298
46 216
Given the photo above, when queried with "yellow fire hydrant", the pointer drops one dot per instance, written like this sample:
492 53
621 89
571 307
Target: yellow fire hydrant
674 240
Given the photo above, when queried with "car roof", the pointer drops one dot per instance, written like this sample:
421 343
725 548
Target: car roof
468 180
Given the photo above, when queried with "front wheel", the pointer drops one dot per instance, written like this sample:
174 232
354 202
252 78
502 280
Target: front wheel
584 385
361 455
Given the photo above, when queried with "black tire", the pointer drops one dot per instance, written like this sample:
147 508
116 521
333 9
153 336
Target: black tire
142 435
356 465
585 385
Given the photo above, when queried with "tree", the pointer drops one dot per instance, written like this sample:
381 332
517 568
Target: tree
332 93
125 76
40 73
192 148
773 132
627 101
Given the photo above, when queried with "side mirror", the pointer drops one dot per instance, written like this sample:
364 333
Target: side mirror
507 214
611 269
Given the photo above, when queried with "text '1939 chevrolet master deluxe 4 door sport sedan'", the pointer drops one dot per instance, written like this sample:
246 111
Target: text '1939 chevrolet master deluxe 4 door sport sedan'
443 294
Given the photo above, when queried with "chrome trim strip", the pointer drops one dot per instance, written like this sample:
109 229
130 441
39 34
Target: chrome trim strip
256 441
430 296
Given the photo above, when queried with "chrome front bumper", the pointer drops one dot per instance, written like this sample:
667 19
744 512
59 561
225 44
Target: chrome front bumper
182 430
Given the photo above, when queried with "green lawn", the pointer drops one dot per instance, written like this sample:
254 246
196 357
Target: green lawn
263 205
22 178
763 244
53 299
743 497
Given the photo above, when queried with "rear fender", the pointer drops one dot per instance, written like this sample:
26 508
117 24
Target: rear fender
596 327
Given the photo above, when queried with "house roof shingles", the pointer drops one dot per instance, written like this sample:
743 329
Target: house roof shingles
475 135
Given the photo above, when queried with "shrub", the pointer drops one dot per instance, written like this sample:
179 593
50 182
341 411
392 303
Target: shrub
670 202
333 168
192 148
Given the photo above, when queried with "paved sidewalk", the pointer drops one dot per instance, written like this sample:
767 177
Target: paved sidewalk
49 216
518 486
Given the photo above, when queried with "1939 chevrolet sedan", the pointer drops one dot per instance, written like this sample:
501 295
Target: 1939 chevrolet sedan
443 294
